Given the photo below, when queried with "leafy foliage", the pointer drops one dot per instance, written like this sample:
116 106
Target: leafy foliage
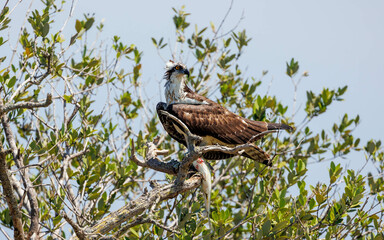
77 150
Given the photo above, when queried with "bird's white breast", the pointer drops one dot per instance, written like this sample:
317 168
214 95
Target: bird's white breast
174 91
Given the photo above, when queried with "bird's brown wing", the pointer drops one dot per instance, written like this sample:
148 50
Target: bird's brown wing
225 134
169 126
214 121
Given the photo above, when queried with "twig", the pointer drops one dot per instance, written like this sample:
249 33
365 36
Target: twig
78 230
163 226
229 166
257 136
5 234
42 121
30 105
215 37
237 150
190 138
151 160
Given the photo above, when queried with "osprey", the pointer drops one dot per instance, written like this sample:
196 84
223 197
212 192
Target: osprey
209 120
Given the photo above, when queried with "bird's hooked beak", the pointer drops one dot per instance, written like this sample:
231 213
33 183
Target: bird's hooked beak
186 72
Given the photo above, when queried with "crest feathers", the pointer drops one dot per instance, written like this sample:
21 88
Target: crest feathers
170 64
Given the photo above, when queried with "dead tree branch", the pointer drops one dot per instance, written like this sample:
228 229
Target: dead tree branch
29 105
31 193
6 182
138 206
151 160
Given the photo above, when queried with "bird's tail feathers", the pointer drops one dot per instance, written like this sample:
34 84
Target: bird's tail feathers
257 154
278 126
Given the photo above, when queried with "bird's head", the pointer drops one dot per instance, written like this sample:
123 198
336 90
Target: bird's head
175 71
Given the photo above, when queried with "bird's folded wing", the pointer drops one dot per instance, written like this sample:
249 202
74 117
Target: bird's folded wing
217 122
169 124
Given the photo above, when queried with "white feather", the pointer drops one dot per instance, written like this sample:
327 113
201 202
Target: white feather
170 64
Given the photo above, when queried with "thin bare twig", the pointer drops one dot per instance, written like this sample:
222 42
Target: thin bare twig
5 234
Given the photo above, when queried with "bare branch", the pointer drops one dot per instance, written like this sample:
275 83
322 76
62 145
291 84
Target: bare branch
190 138
163 226
73 114
30 105
151 160
141 204
126 227
235 150
6 182
78 230
31 193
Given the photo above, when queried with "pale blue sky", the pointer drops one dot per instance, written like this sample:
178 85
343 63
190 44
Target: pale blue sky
338 42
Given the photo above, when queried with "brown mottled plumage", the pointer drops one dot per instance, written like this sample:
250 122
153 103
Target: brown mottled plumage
209 120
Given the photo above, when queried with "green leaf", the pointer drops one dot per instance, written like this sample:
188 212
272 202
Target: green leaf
312 203
88 24
154 42
68 98
11 82
93 195
195 207
45 30
370 147
292 67
101 204
300 166
279 226
56 220
102 169
78 26
133 231
266 228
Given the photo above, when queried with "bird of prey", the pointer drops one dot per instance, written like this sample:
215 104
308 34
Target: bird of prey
213 123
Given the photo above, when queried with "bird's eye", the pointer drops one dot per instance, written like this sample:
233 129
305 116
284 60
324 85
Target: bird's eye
177 67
